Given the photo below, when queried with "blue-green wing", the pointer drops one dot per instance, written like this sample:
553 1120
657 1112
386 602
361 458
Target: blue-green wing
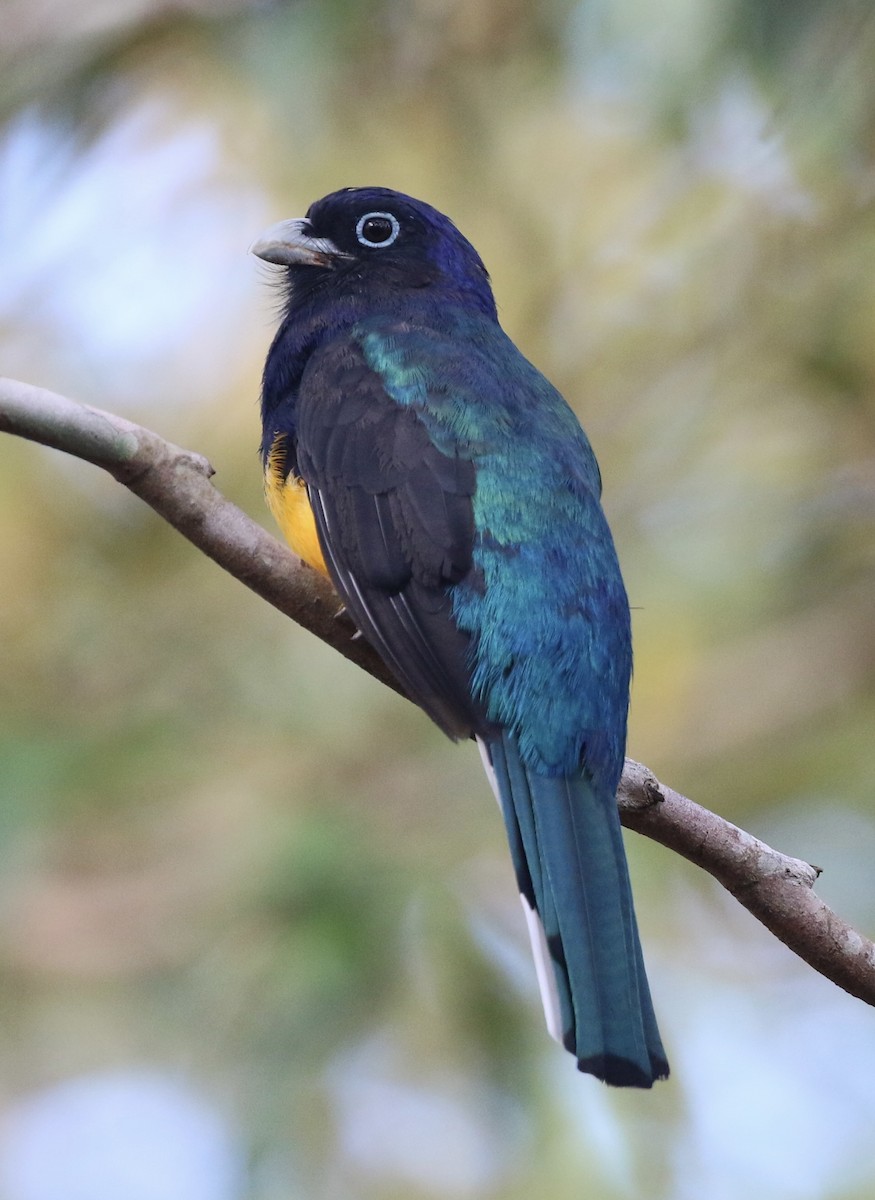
544 602
395 518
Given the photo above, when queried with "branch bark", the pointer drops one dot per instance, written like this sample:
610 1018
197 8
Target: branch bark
776 889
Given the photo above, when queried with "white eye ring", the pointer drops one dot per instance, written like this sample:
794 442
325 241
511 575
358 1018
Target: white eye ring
383 216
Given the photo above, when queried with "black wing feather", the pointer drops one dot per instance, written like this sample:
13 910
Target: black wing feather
396 521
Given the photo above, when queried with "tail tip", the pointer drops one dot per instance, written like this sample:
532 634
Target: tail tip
622 1072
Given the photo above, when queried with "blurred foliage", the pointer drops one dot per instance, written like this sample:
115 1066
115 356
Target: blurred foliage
224 849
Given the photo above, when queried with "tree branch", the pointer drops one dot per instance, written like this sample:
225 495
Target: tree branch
777 889
176 483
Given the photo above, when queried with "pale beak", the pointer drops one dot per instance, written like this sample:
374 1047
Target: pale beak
290 244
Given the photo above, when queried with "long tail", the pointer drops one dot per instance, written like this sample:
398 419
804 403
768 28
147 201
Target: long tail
567 850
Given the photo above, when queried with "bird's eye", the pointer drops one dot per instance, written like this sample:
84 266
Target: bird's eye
377 229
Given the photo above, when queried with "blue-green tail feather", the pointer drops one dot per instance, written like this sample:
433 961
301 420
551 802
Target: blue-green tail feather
567 849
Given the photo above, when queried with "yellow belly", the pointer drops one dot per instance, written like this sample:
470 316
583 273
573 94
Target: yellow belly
288 501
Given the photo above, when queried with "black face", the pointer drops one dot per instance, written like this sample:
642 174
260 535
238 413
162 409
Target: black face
375 223
380 240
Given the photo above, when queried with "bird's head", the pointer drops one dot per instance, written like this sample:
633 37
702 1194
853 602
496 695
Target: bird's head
375 239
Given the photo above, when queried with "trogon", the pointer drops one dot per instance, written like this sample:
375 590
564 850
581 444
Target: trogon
443 484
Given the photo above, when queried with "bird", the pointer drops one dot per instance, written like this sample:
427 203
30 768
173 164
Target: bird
413 455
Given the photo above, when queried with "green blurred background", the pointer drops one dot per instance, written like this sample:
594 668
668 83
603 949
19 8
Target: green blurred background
231 865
